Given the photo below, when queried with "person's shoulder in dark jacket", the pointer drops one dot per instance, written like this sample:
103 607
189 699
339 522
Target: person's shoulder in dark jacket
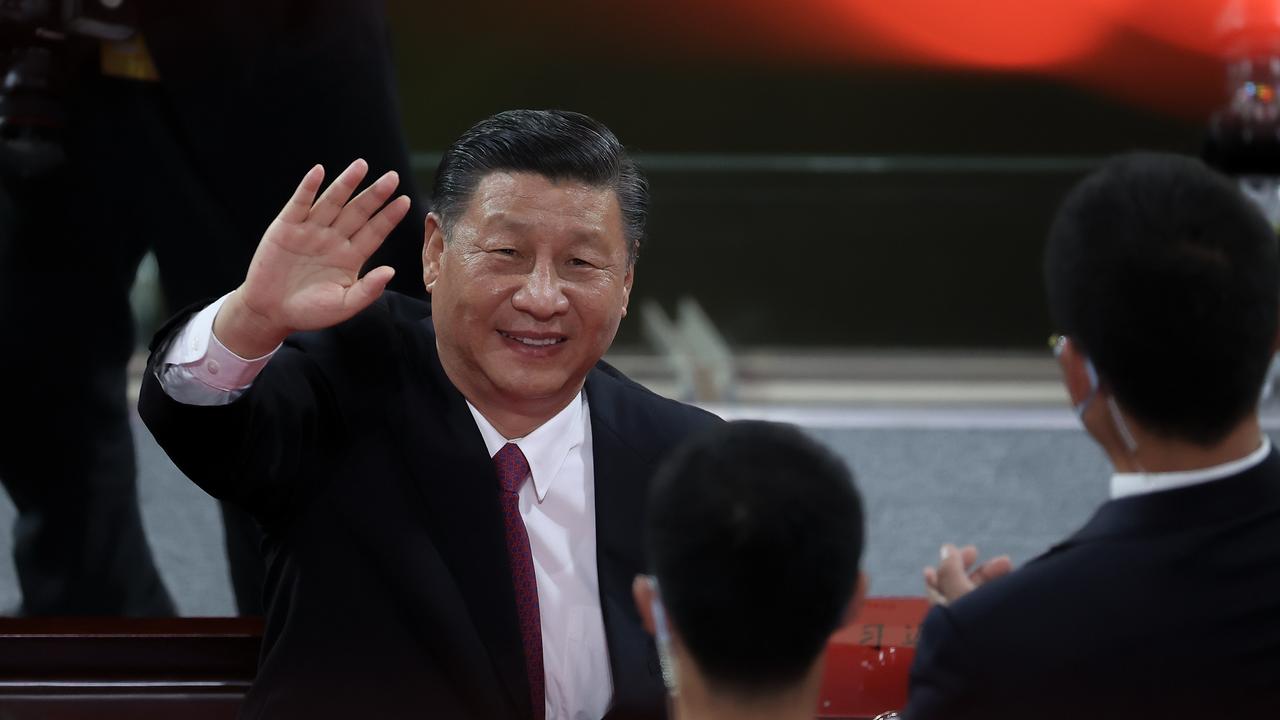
1100 629
647 421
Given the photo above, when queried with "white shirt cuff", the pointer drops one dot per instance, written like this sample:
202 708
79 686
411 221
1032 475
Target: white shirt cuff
197 356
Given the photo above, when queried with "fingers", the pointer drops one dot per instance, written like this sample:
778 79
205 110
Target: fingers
991 569
336 195
931 587
372 233
958 574
367 289
953 578
357 212
296 210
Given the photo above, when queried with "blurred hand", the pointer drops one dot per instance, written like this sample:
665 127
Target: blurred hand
958 574
305 272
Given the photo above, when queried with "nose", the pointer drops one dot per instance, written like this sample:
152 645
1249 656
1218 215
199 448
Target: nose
542 294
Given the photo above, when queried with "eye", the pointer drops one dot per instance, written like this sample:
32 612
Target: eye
509 252
579 262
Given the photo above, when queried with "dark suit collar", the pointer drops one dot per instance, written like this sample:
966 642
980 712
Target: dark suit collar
459 493
1232 498
466 519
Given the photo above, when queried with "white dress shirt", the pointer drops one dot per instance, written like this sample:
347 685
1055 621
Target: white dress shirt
1127 484
558 507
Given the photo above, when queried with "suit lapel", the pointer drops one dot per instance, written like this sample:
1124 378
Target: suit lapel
458 486
621 488
459 493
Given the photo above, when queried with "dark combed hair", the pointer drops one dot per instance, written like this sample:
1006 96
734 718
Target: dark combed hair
1165 275
754 531
557 144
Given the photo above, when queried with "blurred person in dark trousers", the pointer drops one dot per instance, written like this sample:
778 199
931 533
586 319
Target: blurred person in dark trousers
178 139
754 535
1164 282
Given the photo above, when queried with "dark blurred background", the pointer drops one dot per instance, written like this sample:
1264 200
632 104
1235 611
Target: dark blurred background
807 199
855 191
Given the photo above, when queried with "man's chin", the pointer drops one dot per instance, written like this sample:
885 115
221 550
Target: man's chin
533 389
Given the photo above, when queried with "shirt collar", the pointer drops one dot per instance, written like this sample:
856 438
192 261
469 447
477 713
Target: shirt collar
1126 484
546 447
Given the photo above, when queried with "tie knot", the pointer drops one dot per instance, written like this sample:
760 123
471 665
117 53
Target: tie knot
513 468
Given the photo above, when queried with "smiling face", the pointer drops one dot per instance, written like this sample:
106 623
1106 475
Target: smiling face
527 293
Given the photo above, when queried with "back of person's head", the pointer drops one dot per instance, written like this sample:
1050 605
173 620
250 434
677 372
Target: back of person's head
1166 277
754 533
557 144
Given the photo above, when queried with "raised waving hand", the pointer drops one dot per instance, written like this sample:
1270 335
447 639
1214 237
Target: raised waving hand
305 274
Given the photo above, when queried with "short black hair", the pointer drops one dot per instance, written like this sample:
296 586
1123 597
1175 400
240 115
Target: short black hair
557 144
1166 276
754 531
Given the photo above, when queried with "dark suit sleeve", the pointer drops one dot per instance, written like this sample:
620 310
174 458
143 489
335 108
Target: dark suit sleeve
943 677
254 451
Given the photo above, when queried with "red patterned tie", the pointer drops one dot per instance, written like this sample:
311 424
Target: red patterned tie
513 471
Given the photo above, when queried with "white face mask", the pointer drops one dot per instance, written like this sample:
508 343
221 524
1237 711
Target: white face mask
662 637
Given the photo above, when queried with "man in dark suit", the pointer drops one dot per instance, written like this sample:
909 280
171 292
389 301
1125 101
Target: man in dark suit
180 141
451 495
754 541
1162 279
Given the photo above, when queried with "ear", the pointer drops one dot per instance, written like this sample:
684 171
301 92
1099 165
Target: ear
627 280
432 248
855 602
1075 372
642 591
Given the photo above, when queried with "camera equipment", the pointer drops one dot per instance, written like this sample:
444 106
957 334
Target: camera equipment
1244 142
38 43
1244 135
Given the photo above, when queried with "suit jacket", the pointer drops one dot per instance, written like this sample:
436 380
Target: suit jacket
388 587
1164 605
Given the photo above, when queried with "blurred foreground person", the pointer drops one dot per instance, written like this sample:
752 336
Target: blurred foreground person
1162 280
451 494
754 540
171 127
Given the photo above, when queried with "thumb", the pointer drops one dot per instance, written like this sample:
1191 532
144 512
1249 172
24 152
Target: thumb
367 289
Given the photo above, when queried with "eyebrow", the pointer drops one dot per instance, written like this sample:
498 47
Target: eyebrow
506 221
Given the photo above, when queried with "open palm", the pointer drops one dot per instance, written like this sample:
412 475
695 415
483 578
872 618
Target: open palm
305 274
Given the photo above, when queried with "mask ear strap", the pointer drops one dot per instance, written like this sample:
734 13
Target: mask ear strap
1092 373
662 637
1059 343
1121 426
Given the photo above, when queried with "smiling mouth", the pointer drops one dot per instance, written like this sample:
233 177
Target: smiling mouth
534 342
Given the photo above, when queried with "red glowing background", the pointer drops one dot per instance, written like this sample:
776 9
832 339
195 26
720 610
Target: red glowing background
1165 54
